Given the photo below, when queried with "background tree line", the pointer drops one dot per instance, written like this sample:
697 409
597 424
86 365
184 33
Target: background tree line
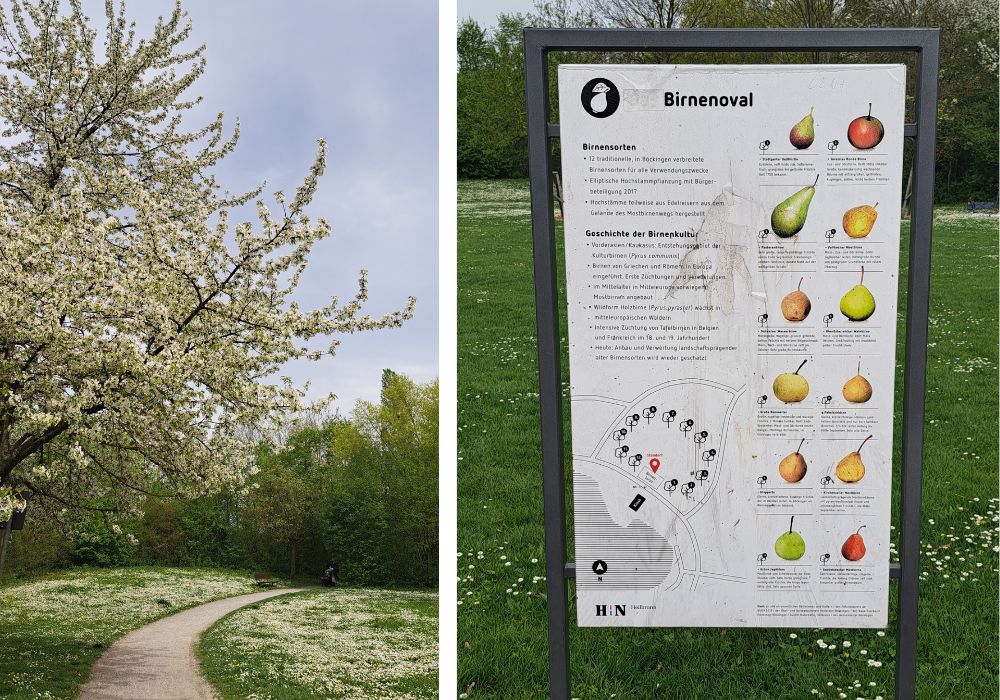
361 490
492 128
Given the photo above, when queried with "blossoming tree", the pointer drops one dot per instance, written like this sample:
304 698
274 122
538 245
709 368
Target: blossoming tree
140 326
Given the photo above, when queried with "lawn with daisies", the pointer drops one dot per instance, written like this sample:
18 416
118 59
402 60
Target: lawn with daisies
339 643
53 629
502 607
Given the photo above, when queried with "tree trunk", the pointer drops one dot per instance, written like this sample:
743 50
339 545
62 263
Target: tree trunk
909 191
291 573
559 192
4 541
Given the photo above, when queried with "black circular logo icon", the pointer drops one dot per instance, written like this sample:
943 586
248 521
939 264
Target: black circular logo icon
600 567
600 98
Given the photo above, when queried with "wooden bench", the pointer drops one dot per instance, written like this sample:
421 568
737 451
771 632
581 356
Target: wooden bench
262 578
981 206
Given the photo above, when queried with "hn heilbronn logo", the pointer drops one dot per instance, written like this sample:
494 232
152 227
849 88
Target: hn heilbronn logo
610 610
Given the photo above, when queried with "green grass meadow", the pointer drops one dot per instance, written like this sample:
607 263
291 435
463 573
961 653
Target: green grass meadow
53 628
343 643
502 603
350 644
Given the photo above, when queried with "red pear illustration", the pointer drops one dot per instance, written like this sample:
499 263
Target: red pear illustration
854 546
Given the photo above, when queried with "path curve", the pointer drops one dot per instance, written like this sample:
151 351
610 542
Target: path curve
157 662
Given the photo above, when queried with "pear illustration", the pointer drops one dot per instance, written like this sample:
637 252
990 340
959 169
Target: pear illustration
802 134
789 216
857 389
854 546
790 545
793 467
599 102
858 221
796 305
851 469
791 387
858 304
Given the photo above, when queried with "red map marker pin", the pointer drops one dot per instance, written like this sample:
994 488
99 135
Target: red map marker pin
654 464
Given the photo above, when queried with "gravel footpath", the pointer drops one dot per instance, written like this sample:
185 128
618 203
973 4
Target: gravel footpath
157 662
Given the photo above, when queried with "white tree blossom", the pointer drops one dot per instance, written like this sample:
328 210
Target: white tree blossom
140 326
980 18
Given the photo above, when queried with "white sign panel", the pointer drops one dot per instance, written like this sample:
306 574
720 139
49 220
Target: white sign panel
732 244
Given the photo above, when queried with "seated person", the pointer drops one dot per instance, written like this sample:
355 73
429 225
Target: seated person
330 575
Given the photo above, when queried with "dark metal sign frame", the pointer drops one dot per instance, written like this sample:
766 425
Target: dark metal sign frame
538 43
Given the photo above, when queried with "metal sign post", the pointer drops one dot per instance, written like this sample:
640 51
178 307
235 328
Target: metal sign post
537 45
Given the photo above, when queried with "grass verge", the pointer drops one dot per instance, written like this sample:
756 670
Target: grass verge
54 628
348 644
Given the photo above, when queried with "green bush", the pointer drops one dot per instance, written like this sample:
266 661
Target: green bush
95 545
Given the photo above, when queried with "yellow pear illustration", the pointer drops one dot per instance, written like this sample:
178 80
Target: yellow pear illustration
793 467
857 389
851 469
858 221
791 387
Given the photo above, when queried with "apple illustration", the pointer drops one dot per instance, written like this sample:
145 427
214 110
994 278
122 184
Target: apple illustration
866 131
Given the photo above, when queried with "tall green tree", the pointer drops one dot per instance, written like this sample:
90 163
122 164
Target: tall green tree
354 513
404 425
382 507
279 513
492 122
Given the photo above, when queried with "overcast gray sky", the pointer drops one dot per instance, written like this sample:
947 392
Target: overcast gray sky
363 76
485 11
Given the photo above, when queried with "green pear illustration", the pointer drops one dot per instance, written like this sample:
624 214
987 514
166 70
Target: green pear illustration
790 545
858 304
789 216
802 134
